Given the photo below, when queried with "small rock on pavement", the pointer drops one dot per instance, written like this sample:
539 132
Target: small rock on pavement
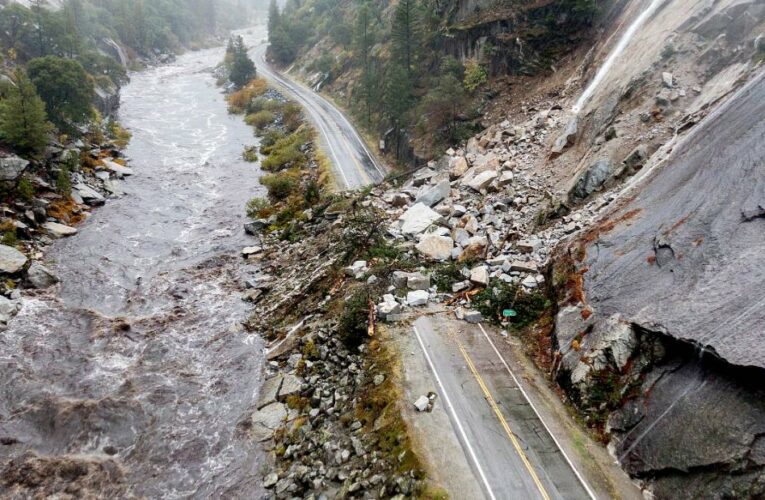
11 260
39 276
417 298
473 317
59 230
422 403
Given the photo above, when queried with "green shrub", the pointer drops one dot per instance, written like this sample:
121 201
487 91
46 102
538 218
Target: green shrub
9 238
286 152
250 154
445 275
500 296
352 326
261 119
270 138
64 182
475 75
280 185
256 207
25 189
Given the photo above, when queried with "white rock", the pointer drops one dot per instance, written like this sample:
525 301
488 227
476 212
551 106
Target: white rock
118 169
418 218
247 251
11 260
59 230
480 275
482 180
417 298
422 403
435 247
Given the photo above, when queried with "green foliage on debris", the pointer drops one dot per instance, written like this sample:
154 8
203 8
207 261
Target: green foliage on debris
499 296
353 322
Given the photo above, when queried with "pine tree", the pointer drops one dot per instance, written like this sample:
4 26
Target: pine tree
242 68
405 33
23 122
274 19
363 42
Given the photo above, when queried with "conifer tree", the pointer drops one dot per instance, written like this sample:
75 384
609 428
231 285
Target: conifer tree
23 122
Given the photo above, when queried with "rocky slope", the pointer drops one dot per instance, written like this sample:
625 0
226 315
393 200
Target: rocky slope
640 217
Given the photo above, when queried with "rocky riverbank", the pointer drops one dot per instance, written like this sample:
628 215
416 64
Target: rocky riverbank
45 199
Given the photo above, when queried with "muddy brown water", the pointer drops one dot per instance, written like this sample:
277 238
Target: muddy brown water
155 410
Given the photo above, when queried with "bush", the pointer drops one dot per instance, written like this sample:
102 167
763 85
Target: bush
261 119
250 154
25 189
352 326
292 116
500 296
257 208
475 75
286 152
64 182
280 185
445 275
240 100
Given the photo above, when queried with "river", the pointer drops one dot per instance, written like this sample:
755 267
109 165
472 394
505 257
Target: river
134 376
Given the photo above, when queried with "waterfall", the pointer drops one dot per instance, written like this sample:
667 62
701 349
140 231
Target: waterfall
615 53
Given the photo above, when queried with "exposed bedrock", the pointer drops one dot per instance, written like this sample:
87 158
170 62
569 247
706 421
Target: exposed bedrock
661 336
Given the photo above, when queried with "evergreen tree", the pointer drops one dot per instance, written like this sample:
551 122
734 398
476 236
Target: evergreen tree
65 87
23 123
242 69
274 19
405 33
398 95
363 42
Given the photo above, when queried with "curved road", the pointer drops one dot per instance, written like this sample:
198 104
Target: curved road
355 165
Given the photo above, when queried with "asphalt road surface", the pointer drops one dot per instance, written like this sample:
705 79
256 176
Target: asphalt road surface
355 165
510 450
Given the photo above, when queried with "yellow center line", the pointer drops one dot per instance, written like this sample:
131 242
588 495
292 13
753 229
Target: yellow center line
498 413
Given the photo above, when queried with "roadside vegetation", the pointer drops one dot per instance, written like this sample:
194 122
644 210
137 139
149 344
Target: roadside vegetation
398 77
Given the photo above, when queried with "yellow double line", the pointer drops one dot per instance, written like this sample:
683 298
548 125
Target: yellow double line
498 413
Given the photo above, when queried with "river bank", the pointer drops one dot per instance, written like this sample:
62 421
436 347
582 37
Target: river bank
121 371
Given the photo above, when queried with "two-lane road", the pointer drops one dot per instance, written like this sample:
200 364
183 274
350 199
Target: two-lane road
511 451
355 165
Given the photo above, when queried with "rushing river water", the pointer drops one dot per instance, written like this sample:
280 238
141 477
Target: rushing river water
154 410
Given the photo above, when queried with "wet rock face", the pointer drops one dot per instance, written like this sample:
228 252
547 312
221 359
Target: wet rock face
687 255
696 427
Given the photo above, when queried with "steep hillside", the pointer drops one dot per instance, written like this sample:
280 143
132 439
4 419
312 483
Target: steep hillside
623 176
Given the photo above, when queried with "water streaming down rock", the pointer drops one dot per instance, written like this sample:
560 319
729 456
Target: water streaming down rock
135 377
615 53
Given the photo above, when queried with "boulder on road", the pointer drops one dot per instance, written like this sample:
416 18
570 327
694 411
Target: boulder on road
11 260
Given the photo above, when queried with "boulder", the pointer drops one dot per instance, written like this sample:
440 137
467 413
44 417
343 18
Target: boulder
592 179
11 168
389 305
266 420
88 194
432 195
269 391
668 80
417 298
291 385
482 180
458 167
568 137
248 251
59 230
636 158
418 281
473 317
479 276
523 267
11 260
39 276
118 169
418 218
435 247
